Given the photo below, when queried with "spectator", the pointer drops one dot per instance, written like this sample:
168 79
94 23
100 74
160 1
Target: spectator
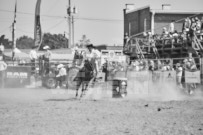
151 65
175 36
190 58
187 24
192 29
1 49
61 76
184 36
171 26
202 24
179 73
3 67
201 29
33 57
198 25
47 56
190 66
164 33
145 34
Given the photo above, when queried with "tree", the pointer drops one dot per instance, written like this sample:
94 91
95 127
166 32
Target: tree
5 42
54 41
24 42
84 41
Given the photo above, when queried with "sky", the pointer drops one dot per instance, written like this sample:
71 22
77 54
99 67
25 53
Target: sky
100 20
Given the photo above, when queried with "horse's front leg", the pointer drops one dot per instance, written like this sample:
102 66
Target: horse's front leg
83 89
77 87
76 95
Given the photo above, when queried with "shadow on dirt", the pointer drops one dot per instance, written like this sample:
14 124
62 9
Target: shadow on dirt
62 100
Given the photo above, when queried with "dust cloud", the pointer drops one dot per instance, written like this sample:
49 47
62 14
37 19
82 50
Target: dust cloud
154 91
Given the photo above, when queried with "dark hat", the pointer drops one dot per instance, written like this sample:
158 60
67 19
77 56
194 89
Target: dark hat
33 47
90 46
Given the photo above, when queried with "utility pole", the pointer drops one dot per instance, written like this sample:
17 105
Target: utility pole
70 12
73 30
69 23
13 38
13 35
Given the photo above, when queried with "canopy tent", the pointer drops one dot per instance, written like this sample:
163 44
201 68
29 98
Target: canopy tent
19 55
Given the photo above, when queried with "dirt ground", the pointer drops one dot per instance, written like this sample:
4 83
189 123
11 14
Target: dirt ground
57 112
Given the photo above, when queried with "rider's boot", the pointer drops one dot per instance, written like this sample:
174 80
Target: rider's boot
191 92
58 87
76 94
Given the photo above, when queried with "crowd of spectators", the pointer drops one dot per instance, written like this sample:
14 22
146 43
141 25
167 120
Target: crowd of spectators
190 27
152 65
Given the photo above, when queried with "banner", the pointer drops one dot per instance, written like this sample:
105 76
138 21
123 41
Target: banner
17 76
192 77
166 76
138 82
37 27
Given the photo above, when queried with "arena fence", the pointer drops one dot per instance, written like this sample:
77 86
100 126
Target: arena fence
140 81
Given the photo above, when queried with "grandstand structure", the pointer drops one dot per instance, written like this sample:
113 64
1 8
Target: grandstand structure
138 45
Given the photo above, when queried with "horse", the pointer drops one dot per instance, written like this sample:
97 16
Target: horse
84 76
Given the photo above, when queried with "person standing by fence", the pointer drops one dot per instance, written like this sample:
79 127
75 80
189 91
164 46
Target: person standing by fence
47 56
1 49
179 73
33 57
3 67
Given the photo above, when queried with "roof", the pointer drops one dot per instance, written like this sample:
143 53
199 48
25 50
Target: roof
137 9
169 11
166 11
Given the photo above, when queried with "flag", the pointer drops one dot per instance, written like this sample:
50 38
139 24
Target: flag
14 28
37 27
15 12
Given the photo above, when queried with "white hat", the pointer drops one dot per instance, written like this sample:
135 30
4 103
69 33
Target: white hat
46 47
60 66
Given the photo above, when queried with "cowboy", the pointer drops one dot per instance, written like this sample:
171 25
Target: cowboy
47 56
94 57
61 76
3 67
1 49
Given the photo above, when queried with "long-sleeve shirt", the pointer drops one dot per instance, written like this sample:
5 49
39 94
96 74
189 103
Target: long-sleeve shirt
33 54
3 66
95 54
48 54
1 48
62 72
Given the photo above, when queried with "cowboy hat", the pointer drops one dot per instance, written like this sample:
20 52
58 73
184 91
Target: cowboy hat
90 46
46 47
60 66
178 64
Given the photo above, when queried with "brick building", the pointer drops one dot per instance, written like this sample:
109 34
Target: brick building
146 19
